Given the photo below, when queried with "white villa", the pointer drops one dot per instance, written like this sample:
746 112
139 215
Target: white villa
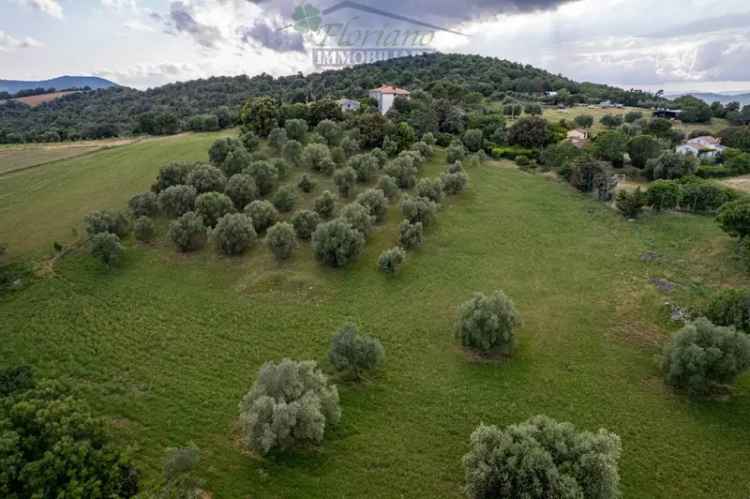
386 95
702 147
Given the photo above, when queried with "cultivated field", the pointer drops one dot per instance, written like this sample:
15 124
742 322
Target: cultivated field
167 344
38 100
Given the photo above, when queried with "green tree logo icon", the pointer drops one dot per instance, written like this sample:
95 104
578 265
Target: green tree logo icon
307 18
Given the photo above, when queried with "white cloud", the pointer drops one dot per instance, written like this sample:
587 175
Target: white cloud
50 7
9 43
120 4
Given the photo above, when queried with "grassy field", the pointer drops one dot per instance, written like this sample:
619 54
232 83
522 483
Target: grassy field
167 344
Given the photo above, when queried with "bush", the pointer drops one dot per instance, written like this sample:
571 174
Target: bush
633 116
702 356
431 189
540 459
234 233
533 132
281 240
106 247
175 173
419 209
345 179
734 218
473 140
671 165
236 162
188 232
285 199
454 183
611 146
306 184
265 175
374 200
325 205
144 229
291 403
336 243
55 447
486 323
263 215
211 206
663 195
242 190
731 308
523 161
411 235
455 152
179 482
177 200
404 171
429 139
701 196
611 120
207 178
144 205
106 221
365 166
389 186
391 260
354 353
293 152
305 222
630 204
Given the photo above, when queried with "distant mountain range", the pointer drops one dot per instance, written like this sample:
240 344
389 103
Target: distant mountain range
61 83
709 97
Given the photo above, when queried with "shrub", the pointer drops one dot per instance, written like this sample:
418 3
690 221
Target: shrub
263 215
291 403
630 204
296 129
325 205
523 161
540 459
374 200
486 323
671 165
411 235
305 222
633 116
431 189
234 233
219 151
293 152
345 179
336 243
144 205
731 308
281 240
177 200
533 132
236 162
404 171
611 120
701 196
391 260
473 140
55 447
106 247
455 167
419 209
663 195
703 356
175 173
317 157
354 353
188 232
242 190
207 178
144 229
455 152
265 175
454 183
642 149
734 218
211 206
285 199
381 156
306 184
429 139
365 166
106 221
179 481
389 186
611 146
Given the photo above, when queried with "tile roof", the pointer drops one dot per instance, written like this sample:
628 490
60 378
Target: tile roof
388 89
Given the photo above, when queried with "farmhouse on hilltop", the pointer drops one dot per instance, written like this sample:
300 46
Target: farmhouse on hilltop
386 95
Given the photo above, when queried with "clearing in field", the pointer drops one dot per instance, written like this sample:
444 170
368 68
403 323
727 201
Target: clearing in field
167 344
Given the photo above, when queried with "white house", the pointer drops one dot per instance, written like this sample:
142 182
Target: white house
349 105
702 147
386 95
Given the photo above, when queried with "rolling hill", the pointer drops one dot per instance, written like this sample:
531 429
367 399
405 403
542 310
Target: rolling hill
60 83
724 98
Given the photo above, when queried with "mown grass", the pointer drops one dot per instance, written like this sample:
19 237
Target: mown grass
167 344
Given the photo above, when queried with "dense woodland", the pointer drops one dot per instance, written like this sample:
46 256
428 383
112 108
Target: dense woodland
215 102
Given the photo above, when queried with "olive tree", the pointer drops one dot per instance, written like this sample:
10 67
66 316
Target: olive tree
336 243
374 200
365 166
282 240
265 174
345 179
207 178
411 235
354 353
285 198
389 186
403 170
144 205
278 138
541 459
325 205
305 222
144 229
263 215
359 217
177 200
703 357
107 221
734 218
291 403
211 206
454 183
306 184
391 260
419 209
292 152
175 173
473 140
234 233
486 323
106 247
296 129
317 157
219 151
242 190
188 232
431 189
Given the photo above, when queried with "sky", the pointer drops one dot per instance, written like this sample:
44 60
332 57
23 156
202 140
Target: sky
675 45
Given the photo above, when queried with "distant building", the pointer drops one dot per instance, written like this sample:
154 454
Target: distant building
702 147
551 94
386 95
670 114
349 105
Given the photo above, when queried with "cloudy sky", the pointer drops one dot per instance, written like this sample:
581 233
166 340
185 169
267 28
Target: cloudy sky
676 45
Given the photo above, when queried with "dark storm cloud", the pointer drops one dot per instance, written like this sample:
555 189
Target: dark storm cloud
272 37
181 20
